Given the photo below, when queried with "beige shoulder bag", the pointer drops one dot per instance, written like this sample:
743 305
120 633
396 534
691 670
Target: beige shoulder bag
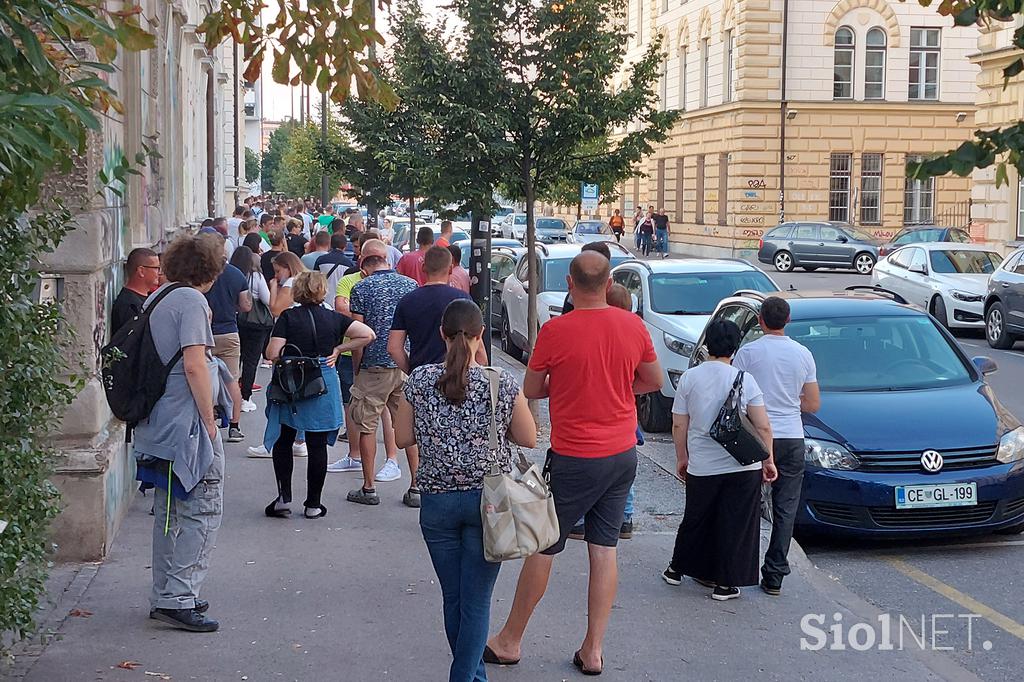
517 509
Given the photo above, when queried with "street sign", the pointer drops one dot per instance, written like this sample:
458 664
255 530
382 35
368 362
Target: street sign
589 197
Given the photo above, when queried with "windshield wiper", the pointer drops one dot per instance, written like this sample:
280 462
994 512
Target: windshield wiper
682 312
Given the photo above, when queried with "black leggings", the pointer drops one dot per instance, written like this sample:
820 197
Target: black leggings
252 343
316 469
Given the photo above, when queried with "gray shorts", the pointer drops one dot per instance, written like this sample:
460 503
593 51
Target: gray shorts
593 489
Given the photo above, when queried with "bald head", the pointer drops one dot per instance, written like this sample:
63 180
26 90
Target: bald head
589 272
373 247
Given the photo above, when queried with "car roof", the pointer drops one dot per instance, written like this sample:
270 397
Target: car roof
570 250
686 265
947 246
814 304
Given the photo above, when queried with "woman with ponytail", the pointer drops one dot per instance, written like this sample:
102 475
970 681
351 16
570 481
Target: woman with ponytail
446 410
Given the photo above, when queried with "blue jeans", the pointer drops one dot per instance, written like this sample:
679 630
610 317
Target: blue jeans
661 237
645 243
452 529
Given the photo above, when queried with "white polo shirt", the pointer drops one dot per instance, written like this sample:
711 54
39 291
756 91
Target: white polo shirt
781 367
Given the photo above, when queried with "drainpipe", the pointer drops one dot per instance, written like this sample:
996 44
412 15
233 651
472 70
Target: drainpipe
211 146
234 117
783 112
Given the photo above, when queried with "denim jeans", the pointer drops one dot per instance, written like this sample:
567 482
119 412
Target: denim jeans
452 529
786 489
645 243
661 240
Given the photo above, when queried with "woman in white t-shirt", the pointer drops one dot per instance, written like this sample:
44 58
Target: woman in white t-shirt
718 540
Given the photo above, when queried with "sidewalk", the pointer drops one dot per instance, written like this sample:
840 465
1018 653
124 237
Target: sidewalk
352 597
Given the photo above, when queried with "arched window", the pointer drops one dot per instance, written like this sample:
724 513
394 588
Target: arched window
842 80
874 64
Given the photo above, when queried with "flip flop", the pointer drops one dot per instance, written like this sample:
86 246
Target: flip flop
494 659
276 513
320 512
578 662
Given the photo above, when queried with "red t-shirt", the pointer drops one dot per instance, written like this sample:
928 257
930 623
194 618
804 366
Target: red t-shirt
591 357
411 265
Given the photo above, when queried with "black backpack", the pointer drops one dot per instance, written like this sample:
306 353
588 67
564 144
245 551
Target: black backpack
133 376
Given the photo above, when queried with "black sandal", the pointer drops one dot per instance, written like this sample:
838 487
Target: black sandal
273 512
320 508
494 659
578 662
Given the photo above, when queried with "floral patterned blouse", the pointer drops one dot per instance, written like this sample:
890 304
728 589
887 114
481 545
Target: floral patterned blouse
454 443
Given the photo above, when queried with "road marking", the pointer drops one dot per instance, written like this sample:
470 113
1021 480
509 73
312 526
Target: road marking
956 596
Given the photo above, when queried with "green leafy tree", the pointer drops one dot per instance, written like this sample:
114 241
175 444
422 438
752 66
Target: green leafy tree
277 145
52 95
300 170
595 163
252 165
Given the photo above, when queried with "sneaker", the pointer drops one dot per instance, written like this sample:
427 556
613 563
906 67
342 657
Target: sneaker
773 589
248 406
259 387
626 531
185 619
725 593
578 532
388 472
235 435
345 464
363 496
259 452
672 577
411 498
300 450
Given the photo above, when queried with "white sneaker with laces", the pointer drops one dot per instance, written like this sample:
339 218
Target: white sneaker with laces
388 472
248 406
259 452
345 464
300 450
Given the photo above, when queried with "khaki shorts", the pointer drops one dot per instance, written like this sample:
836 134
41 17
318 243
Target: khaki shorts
227 348
373 390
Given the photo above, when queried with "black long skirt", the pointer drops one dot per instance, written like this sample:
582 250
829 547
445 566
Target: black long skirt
719 538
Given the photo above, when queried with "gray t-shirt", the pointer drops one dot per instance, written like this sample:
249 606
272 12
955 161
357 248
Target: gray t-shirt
701 393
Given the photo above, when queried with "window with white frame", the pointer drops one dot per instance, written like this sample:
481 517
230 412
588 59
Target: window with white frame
664 6
842 78
840 166
640 21
871 189
682 78
663 86
1020 209
727 69
874 64
924 63
704 72
918 199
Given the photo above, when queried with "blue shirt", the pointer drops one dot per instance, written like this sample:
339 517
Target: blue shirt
375 298
419 315
223 300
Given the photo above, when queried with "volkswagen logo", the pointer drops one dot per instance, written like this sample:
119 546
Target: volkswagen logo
931 461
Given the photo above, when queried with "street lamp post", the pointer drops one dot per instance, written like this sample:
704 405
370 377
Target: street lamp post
324 112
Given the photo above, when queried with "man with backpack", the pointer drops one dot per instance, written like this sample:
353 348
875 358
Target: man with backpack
335 263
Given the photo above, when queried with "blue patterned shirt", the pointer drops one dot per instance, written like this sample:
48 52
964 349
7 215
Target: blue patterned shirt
375 298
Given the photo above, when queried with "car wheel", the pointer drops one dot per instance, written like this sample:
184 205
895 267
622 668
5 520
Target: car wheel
783 261
938 311
508 346
864 263
653 412
995 327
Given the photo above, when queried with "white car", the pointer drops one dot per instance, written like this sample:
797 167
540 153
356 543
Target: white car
514 227
948 280
591 231
676 298
552 267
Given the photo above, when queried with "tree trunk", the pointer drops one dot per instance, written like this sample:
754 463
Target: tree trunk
579 211
412 220
531 273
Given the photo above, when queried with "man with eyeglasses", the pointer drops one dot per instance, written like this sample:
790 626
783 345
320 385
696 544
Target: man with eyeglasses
142 277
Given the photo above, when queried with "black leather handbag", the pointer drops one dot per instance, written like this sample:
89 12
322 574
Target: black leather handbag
296 377
734 431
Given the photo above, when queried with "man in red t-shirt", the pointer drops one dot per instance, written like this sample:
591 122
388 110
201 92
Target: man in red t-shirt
592 460
411 264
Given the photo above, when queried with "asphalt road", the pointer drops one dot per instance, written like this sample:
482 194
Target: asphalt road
972 581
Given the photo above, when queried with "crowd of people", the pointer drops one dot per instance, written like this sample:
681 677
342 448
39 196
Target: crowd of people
393 347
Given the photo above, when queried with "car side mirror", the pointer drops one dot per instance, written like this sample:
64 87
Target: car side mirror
919 269
985 364
842 239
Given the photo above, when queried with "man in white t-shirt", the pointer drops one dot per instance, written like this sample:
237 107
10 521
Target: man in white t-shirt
785 371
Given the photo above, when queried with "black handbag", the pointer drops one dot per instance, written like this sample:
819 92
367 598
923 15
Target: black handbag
296 377
734 432
259 317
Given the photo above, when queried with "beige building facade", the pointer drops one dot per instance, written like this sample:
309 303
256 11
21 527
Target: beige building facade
801 110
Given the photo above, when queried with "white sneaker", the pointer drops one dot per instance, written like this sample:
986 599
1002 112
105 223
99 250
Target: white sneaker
259 452
345 464
299 450
388 472
248 406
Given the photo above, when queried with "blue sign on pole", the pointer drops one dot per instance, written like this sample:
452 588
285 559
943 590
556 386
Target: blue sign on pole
590 195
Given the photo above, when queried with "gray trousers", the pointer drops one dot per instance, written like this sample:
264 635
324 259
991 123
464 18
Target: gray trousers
789 460
181 555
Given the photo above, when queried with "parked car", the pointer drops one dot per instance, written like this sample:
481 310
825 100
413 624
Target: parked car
1004 302
818 245
466 246
910 440
675 298
920 234
590 231
551 230
948 280
552 267
457 235
514 226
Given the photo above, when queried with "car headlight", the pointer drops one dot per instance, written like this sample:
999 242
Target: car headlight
966 297
677 345
829 455
1011 446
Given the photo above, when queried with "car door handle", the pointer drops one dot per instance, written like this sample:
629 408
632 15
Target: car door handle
1006 285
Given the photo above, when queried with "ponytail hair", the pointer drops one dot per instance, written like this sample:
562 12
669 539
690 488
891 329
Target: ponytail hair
460 322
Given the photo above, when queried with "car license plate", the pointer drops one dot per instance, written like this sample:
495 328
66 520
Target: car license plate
945 495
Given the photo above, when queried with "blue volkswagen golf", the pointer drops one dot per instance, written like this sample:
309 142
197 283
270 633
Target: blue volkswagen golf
910 440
